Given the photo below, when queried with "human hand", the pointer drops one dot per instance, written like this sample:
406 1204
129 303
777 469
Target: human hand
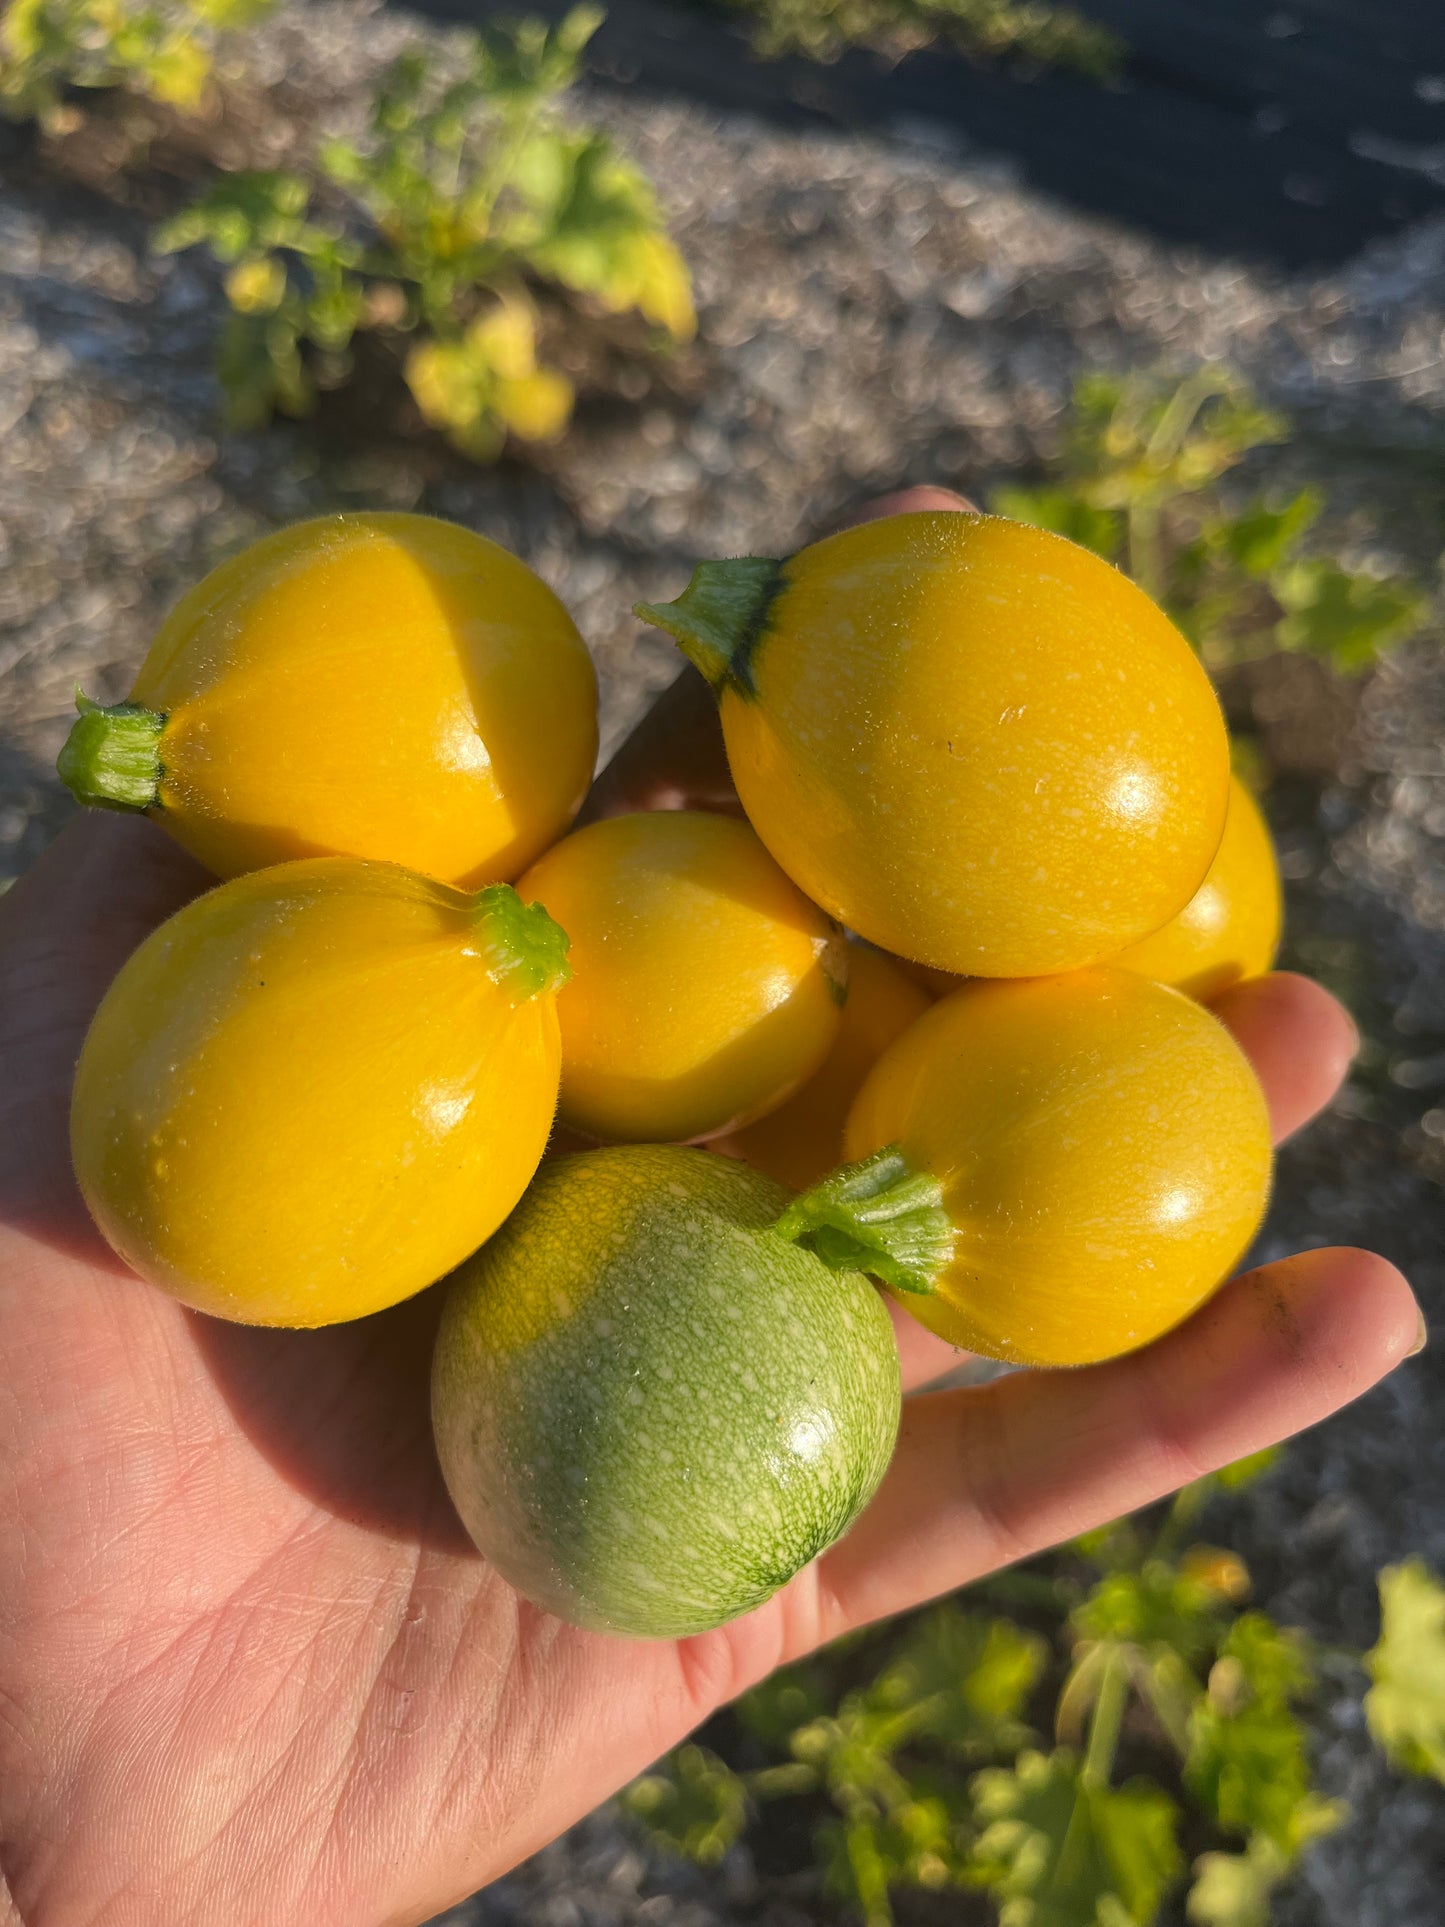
251 1667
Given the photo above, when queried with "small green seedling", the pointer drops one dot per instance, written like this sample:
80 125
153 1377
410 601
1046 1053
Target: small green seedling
162 50
468 191
1139 482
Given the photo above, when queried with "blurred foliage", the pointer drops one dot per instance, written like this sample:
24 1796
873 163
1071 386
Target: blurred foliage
1406 1705
1046 35
162 49
1139 481
981 1753
470 188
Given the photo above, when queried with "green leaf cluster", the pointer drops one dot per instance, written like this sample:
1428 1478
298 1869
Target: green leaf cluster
1030 30
1405 1706
1059 1849
1140 481
162 49
698 1807
925 1759
470 188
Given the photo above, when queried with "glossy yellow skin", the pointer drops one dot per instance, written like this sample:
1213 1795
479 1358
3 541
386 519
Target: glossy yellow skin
705 986
978 745
1229 929
1104 1152
802 1140
305 1097
383 686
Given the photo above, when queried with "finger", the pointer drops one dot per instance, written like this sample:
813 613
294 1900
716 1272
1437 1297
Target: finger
911 501
1299 1039
993 1474
922 1357
673 760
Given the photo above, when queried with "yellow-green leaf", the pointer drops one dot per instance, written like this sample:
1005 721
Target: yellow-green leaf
1406 1705
256 287
1234 1889
505 338
537 407
1057 1851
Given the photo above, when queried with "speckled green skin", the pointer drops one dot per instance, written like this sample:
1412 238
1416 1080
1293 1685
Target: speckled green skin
650 1410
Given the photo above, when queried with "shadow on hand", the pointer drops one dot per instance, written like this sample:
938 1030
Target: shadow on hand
66 928
343 1414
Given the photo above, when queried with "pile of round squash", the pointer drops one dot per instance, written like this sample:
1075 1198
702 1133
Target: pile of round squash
929 1016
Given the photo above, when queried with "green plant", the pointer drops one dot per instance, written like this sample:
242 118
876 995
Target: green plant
162 49
982 29
933 1769
467 192
1139 482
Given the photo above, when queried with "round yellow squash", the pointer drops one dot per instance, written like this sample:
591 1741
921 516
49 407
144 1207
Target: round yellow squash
802 1139
319 1087
1080 1160
382 685
705 986
1229 929
971 741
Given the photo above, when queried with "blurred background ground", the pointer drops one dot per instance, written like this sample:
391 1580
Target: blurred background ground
877 306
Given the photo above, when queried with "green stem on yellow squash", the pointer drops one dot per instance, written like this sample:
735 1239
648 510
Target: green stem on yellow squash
523 948
111 759
720 616
881 1215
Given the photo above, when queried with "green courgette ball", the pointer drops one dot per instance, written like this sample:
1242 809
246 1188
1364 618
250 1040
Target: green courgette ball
650 1410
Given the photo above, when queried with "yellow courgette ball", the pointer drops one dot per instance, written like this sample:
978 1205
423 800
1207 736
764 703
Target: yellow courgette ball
973 742
318 1087
1230 927
1228 930
382 686
705 986
802 1140
1099 1147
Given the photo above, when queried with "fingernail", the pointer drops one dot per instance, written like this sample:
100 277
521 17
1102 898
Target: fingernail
923 495
1422 1338
944 498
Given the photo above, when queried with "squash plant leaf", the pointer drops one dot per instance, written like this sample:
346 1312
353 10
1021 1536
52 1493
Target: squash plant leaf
695 1804
1058 1851
1346 618
1234 1889
1406 1705
968 1679
1160 1605
470 186
1248 1759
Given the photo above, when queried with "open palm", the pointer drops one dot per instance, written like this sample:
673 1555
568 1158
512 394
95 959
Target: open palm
250 1667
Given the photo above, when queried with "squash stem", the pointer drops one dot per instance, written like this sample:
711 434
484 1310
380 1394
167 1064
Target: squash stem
524 950
111 760
881 1215
719 617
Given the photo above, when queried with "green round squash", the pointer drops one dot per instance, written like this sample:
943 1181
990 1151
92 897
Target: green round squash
651 1410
